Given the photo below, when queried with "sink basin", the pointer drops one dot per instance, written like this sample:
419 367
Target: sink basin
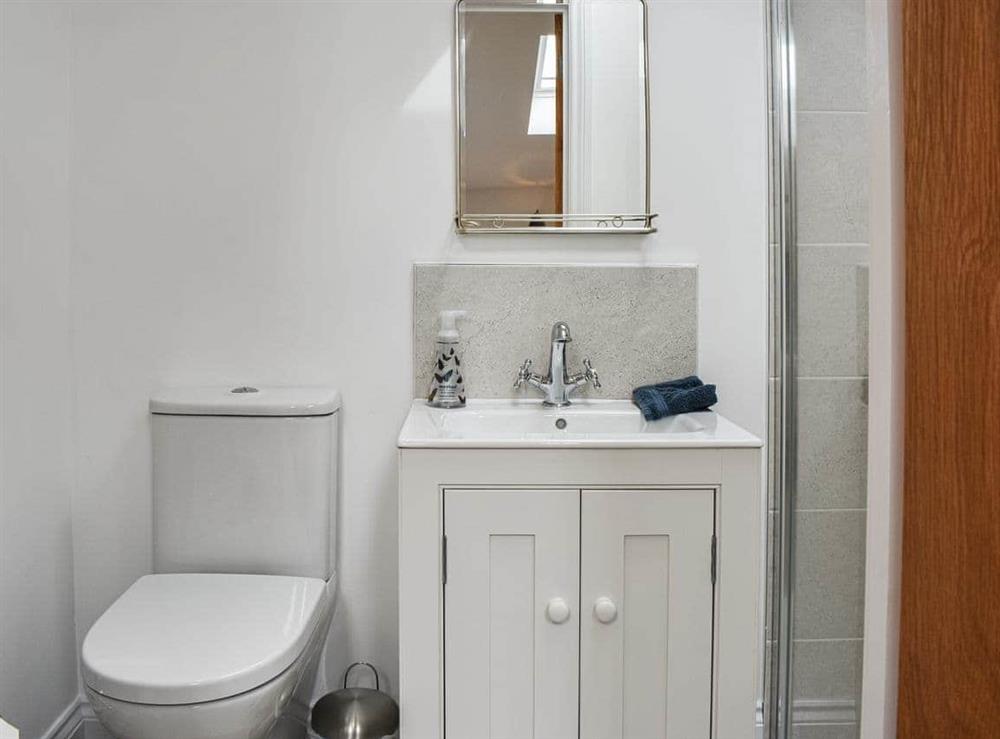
487 420
586 423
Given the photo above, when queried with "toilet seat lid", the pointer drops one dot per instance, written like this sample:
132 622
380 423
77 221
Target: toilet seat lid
191 638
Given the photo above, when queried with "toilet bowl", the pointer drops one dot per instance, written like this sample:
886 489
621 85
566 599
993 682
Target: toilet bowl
203 656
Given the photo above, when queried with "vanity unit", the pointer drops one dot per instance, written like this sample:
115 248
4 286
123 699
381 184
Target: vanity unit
577 572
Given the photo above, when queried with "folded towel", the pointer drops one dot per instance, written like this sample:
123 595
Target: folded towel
685 395
683 383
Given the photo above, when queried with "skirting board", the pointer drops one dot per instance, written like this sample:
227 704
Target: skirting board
79 721
71 721
80 713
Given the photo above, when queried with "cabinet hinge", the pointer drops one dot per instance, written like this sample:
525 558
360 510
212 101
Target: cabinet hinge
715 557
444 560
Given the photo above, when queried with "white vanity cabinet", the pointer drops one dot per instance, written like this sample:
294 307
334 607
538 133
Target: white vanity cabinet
594 605
555 590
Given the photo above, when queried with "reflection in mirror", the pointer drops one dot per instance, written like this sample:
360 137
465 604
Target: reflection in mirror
552 116
513 113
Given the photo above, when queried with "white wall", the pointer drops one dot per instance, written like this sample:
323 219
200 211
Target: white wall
886 389
607 139
252 184
37 458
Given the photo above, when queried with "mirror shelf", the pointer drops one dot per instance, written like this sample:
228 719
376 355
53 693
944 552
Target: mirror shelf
555 223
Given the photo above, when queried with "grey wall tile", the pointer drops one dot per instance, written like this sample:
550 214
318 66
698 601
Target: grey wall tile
832 162
832 443
833 311
824 731
832 181
827 670
637 324
831 54
829 573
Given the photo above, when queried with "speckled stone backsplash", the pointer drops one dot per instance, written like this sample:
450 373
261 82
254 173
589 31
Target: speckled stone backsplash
636 324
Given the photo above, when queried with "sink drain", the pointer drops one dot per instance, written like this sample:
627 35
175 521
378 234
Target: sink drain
560 423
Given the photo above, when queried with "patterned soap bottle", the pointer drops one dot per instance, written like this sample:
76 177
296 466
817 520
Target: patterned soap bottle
447 384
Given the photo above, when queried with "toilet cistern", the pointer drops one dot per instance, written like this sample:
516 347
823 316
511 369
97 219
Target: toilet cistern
558 384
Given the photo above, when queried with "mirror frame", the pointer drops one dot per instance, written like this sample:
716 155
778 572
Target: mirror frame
518 223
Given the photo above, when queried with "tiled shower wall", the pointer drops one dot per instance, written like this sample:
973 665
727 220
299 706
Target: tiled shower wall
832 175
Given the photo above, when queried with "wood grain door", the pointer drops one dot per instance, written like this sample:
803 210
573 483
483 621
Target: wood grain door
646 614
511 621
949 677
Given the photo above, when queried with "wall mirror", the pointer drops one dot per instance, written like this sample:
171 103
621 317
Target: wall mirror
552 117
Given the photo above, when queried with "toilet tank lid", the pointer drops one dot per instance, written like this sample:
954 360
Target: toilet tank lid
245 400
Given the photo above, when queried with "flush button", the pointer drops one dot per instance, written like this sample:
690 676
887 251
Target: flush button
244 389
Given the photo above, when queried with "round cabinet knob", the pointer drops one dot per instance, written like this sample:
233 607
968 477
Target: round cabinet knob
557 611
605 610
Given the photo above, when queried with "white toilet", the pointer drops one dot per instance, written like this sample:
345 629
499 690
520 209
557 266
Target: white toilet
244 514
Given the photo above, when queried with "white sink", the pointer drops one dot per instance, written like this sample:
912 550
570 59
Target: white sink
586 423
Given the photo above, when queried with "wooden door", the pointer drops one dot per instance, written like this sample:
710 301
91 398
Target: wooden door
646 618
511 614
949 668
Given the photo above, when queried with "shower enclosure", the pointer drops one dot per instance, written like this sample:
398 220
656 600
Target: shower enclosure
817 477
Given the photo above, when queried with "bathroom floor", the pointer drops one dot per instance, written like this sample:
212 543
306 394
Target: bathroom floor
91 730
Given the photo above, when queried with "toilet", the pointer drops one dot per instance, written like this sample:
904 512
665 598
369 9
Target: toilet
214 643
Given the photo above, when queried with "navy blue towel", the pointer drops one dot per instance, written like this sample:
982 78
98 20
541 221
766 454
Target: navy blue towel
685 395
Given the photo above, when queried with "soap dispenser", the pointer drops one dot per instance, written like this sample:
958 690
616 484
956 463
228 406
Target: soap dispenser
447 384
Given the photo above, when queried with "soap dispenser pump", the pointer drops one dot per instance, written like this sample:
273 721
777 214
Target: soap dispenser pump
447 383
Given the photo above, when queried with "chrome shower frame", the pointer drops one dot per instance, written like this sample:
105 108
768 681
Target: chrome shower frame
782 421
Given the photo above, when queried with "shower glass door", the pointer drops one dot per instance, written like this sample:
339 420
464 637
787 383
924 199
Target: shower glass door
819 362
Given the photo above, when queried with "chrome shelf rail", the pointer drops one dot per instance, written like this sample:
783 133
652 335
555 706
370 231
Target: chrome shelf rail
555 223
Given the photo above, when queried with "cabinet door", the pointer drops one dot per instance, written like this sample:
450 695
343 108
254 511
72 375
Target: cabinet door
646 614
511 623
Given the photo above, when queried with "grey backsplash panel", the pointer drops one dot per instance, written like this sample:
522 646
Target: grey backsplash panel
636 324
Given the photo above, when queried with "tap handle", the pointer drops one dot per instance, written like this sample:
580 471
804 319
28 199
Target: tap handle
591 374
523 374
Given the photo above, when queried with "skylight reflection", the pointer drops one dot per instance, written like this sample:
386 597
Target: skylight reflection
542 118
